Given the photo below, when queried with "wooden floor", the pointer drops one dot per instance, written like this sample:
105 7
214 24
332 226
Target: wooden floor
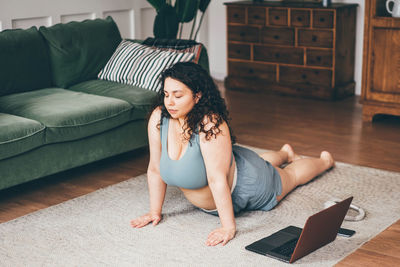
261 120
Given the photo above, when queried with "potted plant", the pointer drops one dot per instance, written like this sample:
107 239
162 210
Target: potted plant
171 17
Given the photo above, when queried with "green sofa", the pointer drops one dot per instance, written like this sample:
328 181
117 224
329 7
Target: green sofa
54 112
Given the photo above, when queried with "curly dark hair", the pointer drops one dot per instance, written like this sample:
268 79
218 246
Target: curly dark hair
211 104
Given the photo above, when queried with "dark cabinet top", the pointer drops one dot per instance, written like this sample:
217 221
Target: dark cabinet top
288 4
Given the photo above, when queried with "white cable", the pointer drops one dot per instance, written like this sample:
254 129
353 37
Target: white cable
359 217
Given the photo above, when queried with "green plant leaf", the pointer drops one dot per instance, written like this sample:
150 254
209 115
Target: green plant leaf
166 23
186 9
157 4
203 5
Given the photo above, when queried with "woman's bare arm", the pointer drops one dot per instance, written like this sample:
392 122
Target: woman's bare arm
217 153
157 187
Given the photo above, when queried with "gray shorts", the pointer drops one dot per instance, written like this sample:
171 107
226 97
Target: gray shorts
258 182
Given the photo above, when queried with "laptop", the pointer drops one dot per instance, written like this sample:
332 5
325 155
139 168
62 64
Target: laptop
293 243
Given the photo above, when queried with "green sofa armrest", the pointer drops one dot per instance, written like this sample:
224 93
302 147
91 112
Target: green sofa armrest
203 59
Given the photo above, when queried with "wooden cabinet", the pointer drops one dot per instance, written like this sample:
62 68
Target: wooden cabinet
381 62
291 48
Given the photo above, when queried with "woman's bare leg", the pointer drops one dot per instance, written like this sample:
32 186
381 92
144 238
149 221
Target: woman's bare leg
277 158
302 171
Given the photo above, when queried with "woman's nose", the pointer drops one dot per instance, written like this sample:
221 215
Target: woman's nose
169 102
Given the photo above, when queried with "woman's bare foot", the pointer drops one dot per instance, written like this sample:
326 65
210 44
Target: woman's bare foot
327 157
292 156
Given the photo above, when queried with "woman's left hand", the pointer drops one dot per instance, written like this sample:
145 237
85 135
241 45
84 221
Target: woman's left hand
220 235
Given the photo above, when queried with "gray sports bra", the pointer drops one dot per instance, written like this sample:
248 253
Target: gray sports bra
187 172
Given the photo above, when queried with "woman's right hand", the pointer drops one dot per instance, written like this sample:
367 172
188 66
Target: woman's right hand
145 220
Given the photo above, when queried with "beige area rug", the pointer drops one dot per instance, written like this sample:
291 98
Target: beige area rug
94 230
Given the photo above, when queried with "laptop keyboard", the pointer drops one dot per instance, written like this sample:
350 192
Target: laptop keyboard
287 248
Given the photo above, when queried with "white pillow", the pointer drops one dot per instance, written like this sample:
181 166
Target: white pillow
140 65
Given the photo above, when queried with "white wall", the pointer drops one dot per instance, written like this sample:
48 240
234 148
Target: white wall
134 17
359 40
128 14
217 39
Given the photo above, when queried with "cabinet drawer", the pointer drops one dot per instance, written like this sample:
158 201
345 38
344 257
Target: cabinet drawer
270 35
236 15
316 38
278 16
289 55
240 51
243 33
294 75
323 19
256 15
316 57
252 70
300 18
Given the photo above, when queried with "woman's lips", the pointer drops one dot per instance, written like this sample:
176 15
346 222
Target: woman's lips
172 111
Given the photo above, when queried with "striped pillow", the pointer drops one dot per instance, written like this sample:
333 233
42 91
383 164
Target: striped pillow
140 65
177 45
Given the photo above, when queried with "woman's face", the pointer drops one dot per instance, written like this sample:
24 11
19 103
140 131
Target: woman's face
178 98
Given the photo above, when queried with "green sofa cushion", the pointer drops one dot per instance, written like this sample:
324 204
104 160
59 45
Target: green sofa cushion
67 115
49 159
19 135
24 61
79 50
141 99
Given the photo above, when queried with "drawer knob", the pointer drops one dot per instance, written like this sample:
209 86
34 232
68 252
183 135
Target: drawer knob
314 38
276 17
238 51
256 17
251 71
318 58
276 37
277 55
242 34
299 18
235 15
304 76
321 19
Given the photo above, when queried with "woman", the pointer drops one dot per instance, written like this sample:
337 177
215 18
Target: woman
191 146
